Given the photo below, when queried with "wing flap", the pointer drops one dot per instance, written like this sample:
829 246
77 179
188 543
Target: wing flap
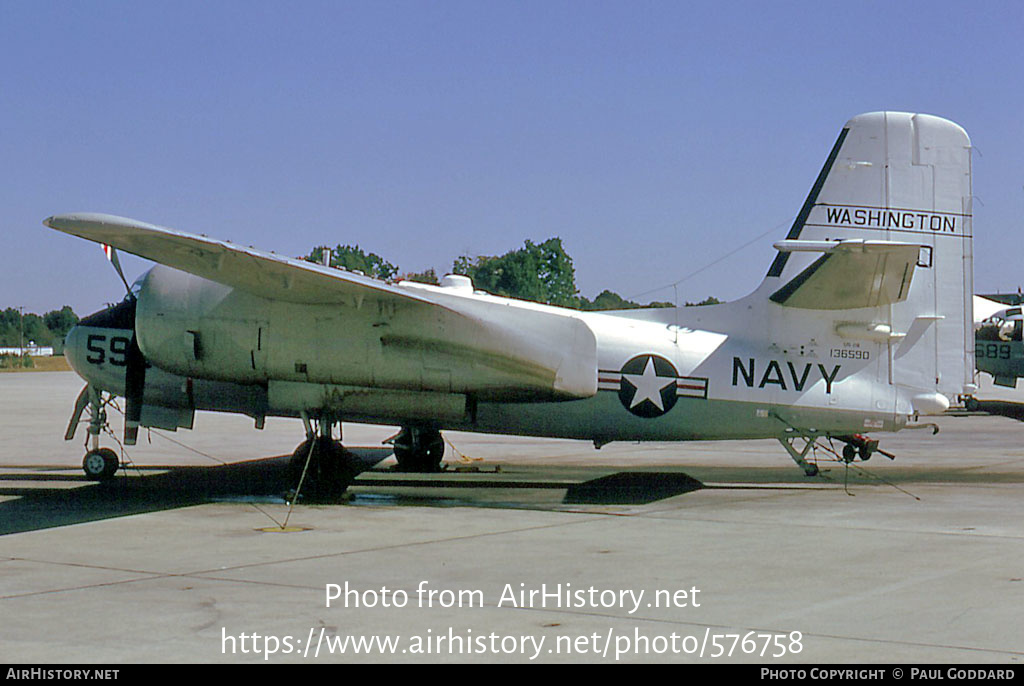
850 274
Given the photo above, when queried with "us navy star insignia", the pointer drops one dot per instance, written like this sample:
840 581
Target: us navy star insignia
648 386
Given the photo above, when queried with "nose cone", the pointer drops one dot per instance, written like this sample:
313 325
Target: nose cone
97 347
74 350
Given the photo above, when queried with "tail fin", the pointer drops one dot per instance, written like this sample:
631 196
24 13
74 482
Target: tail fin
895 193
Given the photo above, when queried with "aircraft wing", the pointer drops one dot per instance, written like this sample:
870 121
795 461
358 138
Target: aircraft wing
262 273
515 352
850 274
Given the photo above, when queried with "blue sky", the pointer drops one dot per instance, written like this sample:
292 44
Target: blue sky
652 137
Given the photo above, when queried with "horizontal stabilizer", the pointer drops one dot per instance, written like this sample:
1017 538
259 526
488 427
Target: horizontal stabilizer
850 274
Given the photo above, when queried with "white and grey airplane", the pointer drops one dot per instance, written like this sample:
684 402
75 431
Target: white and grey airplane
863 322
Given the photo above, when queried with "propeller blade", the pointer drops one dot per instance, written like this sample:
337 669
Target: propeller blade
134 385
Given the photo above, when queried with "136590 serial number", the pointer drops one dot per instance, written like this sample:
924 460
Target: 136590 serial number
851 354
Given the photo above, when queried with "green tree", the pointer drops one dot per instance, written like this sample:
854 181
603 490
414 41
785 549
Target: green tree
710 300
16 329
354 258
10 325
59 322
36 331
428 276
538 272
50 329
610 300
541 272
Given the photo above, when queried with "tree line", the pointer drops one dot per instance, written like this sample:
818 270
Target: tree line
540 272
44 330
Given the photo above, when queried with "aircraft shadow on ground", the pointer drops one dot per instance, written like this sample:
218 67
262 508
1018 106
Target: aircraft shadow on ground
631 488
620 488
42 508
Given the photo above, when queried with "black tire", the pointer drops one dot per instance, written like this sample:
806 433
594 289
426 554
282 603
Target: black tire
849 453
100 464
297 462
331 469
419 450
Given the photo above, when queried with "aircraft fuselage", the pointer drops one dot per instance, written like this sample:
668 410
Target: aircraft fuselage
211 347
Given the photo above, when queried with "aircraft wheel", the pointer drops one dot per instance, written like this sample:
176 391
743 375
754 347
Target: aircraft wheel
100 464
331 470
419 450
298 461
849 453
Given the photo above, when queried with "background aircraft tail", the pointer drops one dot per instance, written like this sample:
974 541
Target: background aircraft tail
896 190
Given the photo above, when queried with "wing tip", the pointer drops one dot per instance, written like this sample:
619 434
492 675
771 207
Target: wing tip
83 224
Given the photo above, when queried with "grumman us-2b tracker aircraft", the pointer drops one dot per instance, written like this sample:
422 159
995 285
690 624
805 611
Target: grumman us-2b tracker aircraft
862 323
999 342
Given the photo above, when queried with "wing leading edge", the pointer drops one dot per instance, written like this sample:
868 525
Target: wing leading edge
261 273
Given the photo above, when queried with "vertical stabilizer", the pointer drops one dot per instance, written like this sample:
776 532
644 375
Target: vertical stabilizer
901 178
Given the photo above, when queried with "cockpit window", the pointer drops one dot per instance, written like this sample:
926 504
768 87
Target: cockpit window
119 316
137 286
1000 328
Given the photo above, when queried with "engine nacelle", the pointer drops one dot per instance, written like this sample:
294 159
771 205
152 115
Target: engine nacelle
197 328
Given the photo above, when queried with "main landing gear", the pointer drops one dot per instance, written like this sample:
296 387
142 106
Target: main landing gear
419 450
321 469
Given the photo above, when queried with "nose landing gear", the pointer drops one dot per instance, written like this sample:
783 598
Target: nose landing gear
99 464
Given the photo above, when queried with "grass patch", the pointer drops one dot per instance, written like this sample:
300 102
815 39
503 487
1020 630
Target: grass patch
13 363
